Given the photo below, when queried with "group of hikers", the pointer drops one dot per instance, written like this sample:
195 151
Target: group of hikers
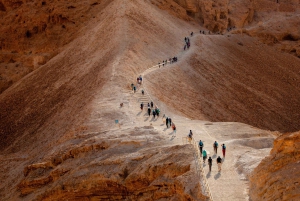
139 81
218 160
187 42
164 62
151 110
169 123
203 152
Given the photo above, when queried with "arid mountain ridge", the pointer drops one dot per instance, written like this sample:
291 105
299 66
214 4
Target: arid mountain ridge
57 130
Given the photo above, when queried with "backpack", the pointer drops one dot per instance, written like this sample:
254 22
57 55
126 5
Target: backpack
224 147
216 144
201 144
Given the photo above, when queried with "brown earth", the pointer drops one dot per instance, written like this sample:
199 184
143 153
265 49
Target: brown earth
233 78
277 176
58 136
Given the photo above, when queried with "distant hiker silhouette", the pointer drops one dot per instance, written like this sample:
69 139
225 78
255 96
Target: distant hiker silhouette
142 106
215 145
149 111
151 104
157 111
204 154
223 150
143 92
153 113
174 128
201 145
210 163
167 122
219 162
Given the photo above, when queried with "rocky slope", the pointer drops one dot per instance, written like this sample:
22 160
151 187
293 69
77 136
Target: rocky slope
58 136
233 78
57 129
115 170
264 19
277 176
32 32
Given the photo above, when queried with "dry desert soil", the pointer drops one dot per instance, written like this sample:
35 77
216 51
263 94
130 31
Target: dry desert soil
63 84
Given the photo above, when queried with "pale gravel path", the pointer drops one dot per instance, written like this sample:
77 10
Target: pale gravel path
226 185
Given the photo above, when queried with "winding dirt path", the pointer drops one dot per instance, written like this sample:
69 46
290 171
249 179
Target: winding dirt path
224 185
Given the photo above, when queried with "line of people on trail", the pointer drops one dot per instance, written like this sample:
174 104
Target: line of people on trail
187 43
164 62
151 110
169 123
218 160
139 79
203 152
133 88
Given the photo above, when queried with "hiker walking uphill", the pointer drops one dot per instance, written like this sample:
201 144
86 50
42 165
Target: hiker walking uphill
204 154
210 163
201 145
219 162
223 150
151 104
170 121
167 122
142 106
157 111
215 145
190 136
149 111
153 113
174 128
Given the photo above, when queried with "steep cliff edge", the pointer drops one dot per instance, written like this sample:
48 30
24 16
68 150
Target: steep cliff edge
277 176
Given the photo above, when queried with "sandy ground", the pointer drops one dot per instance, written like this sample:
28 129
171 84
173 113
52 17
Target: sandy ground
75 97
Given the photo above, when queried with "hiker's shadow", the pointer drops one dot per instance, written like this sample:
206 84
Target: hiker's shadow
138 114
162 124
208 175
172 138
214 156
147 119
217 176
171 133
165 129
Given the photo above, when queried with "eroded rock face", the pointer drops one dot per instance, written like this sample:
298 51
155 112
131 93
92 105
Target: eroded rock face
277 176
114 170
217 16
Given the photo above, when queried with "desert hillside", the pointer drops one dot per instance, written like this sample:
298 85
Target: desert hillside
277 177
66 67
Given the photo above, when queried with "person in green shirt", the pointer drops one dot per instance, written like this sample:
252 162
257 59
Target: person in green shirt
204 154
